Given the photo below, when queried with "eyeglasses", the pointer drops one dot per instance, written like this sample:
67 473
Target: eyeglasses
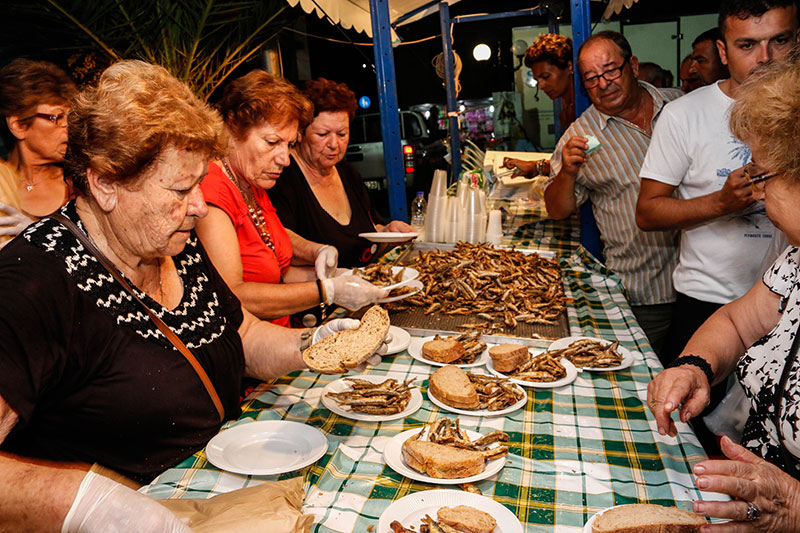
59 120
609 75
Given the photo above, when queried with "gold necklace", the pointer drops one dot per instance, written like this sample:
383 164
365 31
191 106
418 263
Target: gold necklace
254 211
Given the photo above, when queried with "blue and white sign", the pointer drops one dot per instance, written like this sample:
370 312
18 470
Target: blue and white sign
364 102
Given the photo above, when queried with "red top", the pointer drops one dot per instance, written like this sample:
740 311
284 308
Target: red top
259 263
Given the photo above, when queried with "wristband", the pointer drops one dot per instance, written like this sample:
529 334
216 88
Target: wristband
320 292
694 360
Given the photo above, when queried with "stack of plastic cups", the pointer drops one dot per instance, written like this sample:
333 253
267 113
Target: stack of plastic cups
436 216
475 219
494 230
455 216
462 192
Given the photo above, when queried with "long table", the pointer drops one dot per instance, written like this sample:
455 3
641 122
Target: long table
574 450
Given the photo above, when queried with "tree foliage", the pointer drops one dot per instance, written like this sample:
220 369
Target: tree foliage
201 42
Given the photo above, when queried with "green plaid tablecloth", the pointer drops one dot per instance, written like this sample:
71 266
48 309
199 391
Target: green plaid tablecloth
574 450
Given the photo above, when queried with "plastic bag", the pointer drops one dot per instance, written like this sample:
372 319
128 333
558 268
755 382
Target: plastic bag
729 417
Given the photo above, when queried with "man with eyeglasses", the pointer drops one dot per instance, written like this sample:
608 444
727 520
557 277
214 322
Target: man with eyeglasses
621 116
694 178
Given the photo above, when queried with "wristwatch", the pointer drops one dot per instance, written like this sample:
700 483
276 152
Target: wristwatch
306 339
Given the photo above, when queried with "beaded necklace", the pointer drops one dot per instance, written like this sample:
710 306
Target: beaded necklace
253 210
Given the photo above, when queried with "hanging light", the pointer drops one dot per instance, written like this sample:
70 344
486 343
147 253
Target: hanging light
481 52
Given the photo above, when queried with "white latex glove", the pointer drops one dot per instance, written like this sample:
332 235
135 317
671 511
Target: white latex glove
14 222
325 262
341 324
352 292
105 506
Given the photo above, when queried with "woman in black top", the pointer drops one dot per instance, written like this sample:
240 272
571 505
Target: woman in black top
321 197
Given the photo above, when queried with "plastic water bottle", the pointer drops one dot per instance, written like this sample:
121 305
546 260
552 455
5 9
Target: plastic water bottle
418 207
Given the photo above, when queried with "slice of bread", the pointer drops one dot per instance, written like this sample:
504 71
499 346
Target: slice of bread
440 461
467 519
336 353
508 357
451 385
647 518
443 350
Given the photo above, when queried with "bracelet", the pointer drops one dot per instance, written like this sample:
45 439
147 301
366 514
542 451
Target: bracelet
694 360
306 338
322 305
540 167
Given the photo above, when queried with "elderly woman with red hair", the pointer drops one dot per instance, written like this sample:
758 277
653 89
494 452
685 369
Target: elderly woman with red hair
322 197
259 260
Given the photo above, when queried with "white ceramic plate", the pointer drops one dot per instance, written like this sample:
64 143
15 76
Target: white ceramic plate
410 510
572 373
587 528
415 284
393 455
415 351
627 355
400 340
407 275
389 236
480 412
267 447
341 385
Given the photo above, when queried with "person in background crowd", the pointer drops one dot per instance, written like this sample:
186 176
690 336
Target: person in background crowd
259 260
754 337
689 80
656 76
694 179
34 102
706 63
550 60
621 117
321 197
86 376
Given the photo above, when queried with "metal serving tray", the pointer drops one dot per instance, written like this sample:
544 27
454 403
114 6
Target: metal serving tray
420 324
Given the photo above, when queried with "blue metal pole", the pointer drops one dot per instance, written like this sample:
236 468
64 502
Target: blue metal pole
552 27
450 88
581 29
390 117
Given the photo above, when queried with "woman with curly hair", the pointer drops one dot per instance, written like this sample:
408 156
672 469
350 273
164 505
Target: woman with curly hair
322 196
550 59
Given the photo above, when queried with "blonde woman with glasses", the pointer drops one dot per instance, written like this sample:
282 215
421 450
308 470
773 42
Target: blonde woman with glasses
34 102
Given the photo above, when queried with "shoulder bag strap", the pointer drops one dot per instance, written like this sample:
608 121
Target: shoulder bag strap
168 333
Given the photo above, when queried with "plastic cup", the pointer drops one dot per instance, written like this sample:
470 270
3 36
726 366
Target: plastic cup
439 185
494 229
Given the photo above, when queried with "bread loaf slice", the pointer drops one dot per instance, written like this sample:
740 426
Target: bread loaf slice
451 385
440 461
336 353
508 357
467 519
647 518
443 350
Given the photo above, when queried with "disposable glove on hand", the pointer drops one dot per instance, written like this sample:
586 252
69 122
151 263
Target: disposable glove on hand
325 262
14 222
105 506
341 324
352 292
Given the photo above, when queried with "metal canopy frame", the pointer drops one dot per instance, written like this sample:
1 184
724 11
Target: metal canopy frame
387 94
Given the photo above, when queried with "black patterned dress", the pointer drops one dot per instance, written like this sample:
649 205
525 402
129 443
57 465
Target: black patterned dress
759 370
90 376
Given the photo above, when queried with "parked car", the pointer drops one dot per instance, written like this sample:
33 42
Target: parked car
421 154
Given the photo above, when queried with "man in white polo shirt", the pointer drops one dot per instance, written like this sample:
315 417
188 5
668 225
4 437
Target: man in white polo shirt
694 180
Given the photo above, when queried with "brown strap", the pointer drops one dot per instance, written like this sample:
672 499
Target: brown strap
165 330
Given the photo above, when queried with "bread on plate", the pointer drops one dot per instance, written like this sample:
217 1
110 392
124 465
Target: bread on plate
443 350
337 353
508 357
451 385
647 518
467 519
440 461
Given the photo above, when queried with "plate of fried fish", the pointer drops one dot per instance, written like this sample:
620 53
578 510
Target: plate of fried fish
372 398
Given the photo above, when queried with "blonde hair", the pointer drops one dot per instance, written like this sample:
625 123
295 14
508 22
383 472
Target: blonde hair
765 117
119 128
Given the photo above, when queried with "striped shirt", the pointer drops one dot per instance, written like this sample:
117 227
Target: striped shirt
610 178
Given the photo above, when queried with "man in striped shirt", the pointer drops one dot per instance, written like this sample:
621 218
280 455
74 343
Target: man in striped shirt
622 116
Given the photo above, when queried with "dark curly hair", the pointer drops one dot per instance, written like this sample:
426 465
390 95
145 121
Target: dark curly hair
743 9
260 97
328 95
550 47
